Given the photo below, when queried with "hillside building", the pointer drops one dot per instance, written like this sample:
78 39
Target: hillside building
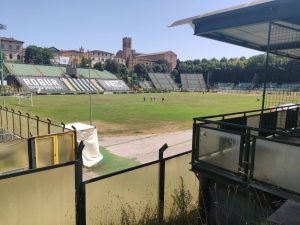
99 56
74 56
12 49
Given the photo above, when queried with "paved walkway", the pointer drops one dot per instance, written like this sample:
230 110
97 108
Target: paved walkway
144 148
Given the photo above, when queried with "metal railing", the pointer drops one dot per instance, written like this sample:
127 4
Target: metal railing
237 146
26 126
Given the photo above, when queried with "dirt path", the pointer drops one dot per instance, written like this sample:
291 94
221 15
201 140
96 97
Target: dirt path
144 148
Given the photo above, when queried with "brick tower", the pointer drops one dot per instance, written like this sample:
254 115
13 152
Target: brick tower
127 47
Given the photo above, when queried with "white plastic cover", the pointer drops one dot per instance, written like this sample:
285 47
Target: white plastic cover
88 134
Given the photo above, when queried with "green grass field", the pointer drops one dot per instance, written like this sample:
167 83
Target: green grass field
111 163
129 114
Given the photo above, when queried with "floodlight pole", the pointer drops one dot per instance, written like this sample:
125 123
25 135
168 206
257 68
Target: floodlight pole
2 27
90 97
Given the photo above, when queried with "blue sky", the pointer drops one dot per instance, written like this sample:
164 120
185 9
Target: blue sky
101 24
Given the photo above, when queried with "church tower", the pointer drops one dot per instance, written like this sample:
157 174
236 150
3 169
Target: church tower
127 48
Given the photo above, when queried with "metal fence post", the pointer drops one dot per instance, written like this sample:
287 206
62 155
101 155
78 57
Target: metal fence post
161 183
194 142
28 127
75 138
79 187
49 126
37 125
63 126
13 119
1 116
20 123
31 153
6 109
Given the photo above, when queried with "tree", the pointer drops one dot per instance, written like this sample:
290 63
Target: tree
99 66
160 66
124 73
112 66
175 76
156 68
85 62
47 55
141 70
38 55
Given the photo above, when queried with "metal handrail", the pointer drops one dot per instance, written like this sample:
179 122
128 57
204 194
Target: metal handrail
244 112
19 115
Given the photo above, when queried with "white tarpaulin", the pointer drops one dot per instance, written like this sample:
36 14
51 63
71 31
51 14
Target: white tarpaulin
88 134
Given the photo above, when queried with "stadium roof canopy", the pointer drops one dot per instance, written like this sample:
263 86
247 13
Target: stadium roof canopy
265 25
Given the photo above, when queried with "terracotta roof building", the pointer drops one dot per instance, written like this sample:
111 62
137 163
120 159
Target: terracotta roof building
132 58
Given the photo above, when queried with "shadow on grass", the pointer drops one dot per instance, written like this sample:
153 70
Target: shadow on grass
112 163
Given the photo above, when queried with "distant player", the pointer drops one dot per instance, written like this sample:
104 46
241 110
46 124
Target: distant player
162 99
144 98
151 98
154 98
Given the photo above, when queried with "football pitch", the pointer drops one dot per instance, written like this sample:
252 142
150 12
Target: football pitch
123 114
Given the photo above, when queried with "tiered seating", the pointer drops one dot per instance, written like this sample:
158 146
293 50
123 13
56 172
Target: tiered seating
163 82
22 69
193 82
225 86
68 84
53 71
82 85
42 84
113 85
18 69
289 87
269 86
37 78
244 86
105 75
146 85
86 73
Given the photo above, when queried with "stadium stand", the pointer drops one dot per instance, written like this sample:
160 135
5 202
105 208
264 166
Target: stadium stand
289 87
193 82
81 85
163 82
146 85
269 86
42 84
53 79
105 75
94 82
225 86
86 73
244 86
22 69
68 84
54 71
19 69
113 85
